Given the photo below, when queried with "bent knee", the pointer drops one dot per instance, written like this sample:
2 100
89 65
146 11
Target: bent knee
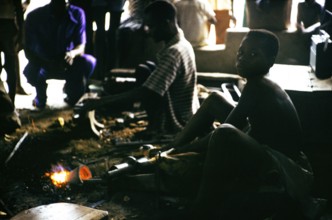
215 97
225 133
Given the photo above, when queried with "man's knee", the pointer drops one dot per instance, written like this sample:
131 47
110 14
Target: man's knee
215 99
225 134
85 64
32 72
143 71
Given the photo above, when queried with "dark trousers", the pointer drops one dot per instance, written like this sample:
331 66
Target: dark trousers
8 37
76 77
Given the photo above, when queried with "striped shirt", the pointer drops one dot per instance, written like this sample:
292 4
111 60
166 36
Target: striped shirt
175 80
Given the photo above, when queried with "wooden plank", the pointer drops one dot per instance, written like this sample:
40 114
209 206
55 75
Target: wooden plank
63 211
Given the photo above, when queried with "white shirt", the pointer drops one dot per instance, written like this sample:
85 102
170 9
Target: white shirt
175 79
192 17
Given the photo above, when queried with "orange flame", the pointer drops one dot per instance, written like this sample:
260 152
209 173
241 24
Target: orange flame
59 176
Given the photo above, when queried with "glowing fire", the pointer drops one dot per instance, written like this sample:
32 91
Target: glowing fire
59 176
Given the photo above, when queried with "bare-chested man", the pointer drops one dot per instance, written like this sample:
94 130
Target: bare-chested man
242 160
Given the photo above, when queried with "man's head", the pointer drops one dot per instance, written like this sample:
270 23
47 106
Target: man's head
59 7
160 20
257 53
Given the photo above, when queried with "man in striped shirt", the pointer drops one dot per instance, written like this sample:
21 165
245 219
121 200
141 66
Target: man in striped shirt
169 93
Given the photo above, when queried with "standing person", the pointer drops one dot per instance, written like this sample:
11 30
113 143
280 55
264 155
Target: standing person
194 18
169 93
267 157
105 43
11 23
309 14
55 42
133 45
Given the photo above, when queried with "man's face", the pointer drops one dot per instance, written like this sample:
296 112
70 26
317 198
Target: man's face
155 28
252 60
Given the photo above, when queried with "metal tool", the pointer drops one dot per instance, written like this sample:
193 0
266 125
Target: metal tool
79 114
17 146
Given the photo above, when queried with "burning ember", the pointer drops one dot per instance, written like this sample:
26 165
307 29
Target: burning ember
60 176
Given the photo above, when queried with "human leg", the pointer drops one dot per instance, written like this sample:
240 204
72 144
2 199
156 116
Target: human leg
76 79
8 32
36 77
100 41
214 108
112 39
12 68
234 163
9 119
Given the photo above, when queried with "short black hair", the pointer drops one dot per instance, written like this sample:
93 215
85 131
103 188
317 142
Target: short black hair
161 10
269 39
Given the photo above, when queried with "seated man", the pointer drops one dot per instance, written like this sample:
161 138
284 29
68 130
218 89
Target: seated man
267 155
168 94
54 47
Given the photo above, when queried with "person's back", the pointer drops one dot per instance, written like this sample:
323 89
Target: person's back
309 13
193 18
273 118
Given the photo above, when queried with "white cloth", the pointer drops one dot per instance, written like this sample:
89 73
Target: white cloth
193 16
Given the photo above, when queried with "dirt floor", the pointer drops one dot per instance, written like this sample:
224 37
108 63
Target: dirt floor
52 138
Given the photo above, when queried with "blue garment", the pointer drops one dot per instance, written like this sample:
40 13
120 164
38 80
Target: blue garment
50 38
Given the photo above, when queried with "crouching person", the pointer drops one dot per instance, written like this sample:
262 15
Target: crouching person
55 43
9 120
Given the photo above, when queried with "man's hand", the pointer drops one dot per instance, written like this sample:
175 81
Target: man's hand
69 58
70 55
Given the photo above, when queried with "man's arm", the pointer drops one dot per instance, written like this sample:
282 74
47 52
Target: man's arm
238 116
209 12
139 94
